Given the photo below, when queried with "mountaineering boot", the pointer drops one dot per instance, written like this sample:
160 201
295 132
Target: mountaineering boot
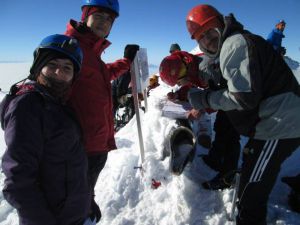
219 182
212 163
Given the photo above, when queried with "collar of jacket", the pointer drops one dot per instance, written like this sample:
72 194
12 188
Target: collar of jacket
84 35
279 32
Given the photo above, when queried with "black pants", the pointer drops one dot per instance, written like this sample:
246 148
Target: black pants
96 164
226 145
261 164
115 104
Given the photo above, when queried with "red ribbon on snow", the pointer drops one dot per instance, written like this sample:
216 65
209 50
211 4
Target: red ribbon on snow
155 184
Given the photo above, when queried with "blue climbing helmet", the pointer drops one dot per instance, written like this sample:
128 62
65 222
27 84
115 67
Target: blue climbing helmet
112 5
62 44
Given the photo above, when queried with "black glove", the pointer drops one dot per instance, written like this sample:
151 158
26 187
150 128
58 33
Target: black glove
96 213
130 51
199 98
282 51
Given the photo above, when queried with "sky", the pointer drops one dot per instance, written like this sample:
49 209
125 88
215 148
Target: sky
154 24
127 198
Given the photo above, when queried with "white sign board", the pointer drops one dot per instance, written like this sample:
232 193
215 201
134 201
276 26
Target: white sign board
142 75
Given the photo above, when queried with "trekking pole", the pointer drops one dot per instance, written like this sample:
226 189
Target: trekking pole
235 195
134 75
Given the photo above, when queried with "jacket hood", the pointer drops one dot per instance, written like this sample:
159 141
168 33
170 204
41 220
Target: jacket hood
231 26
3 106
20 89
85 35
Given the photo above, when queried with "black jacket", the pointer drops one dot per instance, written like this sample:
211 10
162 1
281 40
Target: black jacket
45 164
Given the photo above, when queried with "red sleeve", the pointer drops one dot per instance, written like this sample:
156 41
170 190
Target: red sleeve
118 68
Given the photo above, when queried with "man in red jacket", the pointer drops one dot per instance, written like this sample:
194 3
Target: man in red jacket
91 94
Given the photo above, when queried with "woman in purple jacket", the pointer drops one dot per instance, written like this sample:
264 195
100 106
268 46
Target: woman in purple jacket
45 164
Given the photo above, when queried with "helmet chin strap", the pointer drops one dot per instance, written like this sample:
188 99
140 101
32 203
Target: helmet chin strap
220 42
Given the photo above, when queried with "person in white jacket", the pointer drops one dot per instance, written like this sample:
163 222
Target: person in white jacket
261 100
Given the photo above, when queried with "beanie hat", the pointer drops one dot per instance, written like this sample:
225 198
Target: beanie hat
89 10
174 47
42 58
281 22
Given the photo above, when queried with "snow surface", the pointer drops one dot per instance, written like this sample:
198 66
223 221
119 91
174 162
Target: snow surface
125 194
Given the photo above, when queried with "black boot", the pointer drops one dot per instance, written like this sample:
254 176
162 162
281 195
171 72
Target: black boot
219 182
214 164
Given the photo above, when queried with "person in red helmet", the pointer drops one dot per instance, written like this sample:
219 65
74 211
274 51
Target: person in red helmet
259 88
91 96
182 68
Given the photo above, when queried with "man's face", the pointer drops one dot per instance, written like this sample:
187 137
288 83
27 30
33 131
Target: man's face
59 69
209 40
281 26
100 23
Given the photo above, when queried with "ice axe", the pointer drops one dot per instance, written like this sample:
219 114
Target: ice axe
235 195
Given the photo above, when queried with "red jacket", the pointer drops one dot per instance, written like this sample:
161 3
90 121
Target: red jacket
91 96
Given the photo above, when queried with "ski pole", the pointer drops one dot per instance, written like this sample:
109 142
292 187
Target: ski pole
235 195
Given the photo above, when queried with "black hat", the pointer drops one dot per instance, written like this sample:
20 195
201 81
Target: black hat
174 47
41 58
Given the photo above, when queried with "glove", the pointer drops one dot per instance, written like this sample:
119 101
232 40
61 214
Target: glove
96 213
193 114
282 51
130 51
172 96
199 98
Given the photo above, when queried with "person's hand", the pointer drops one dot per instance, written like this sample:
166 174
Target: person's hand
130 51
193 114
172 96
199 98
